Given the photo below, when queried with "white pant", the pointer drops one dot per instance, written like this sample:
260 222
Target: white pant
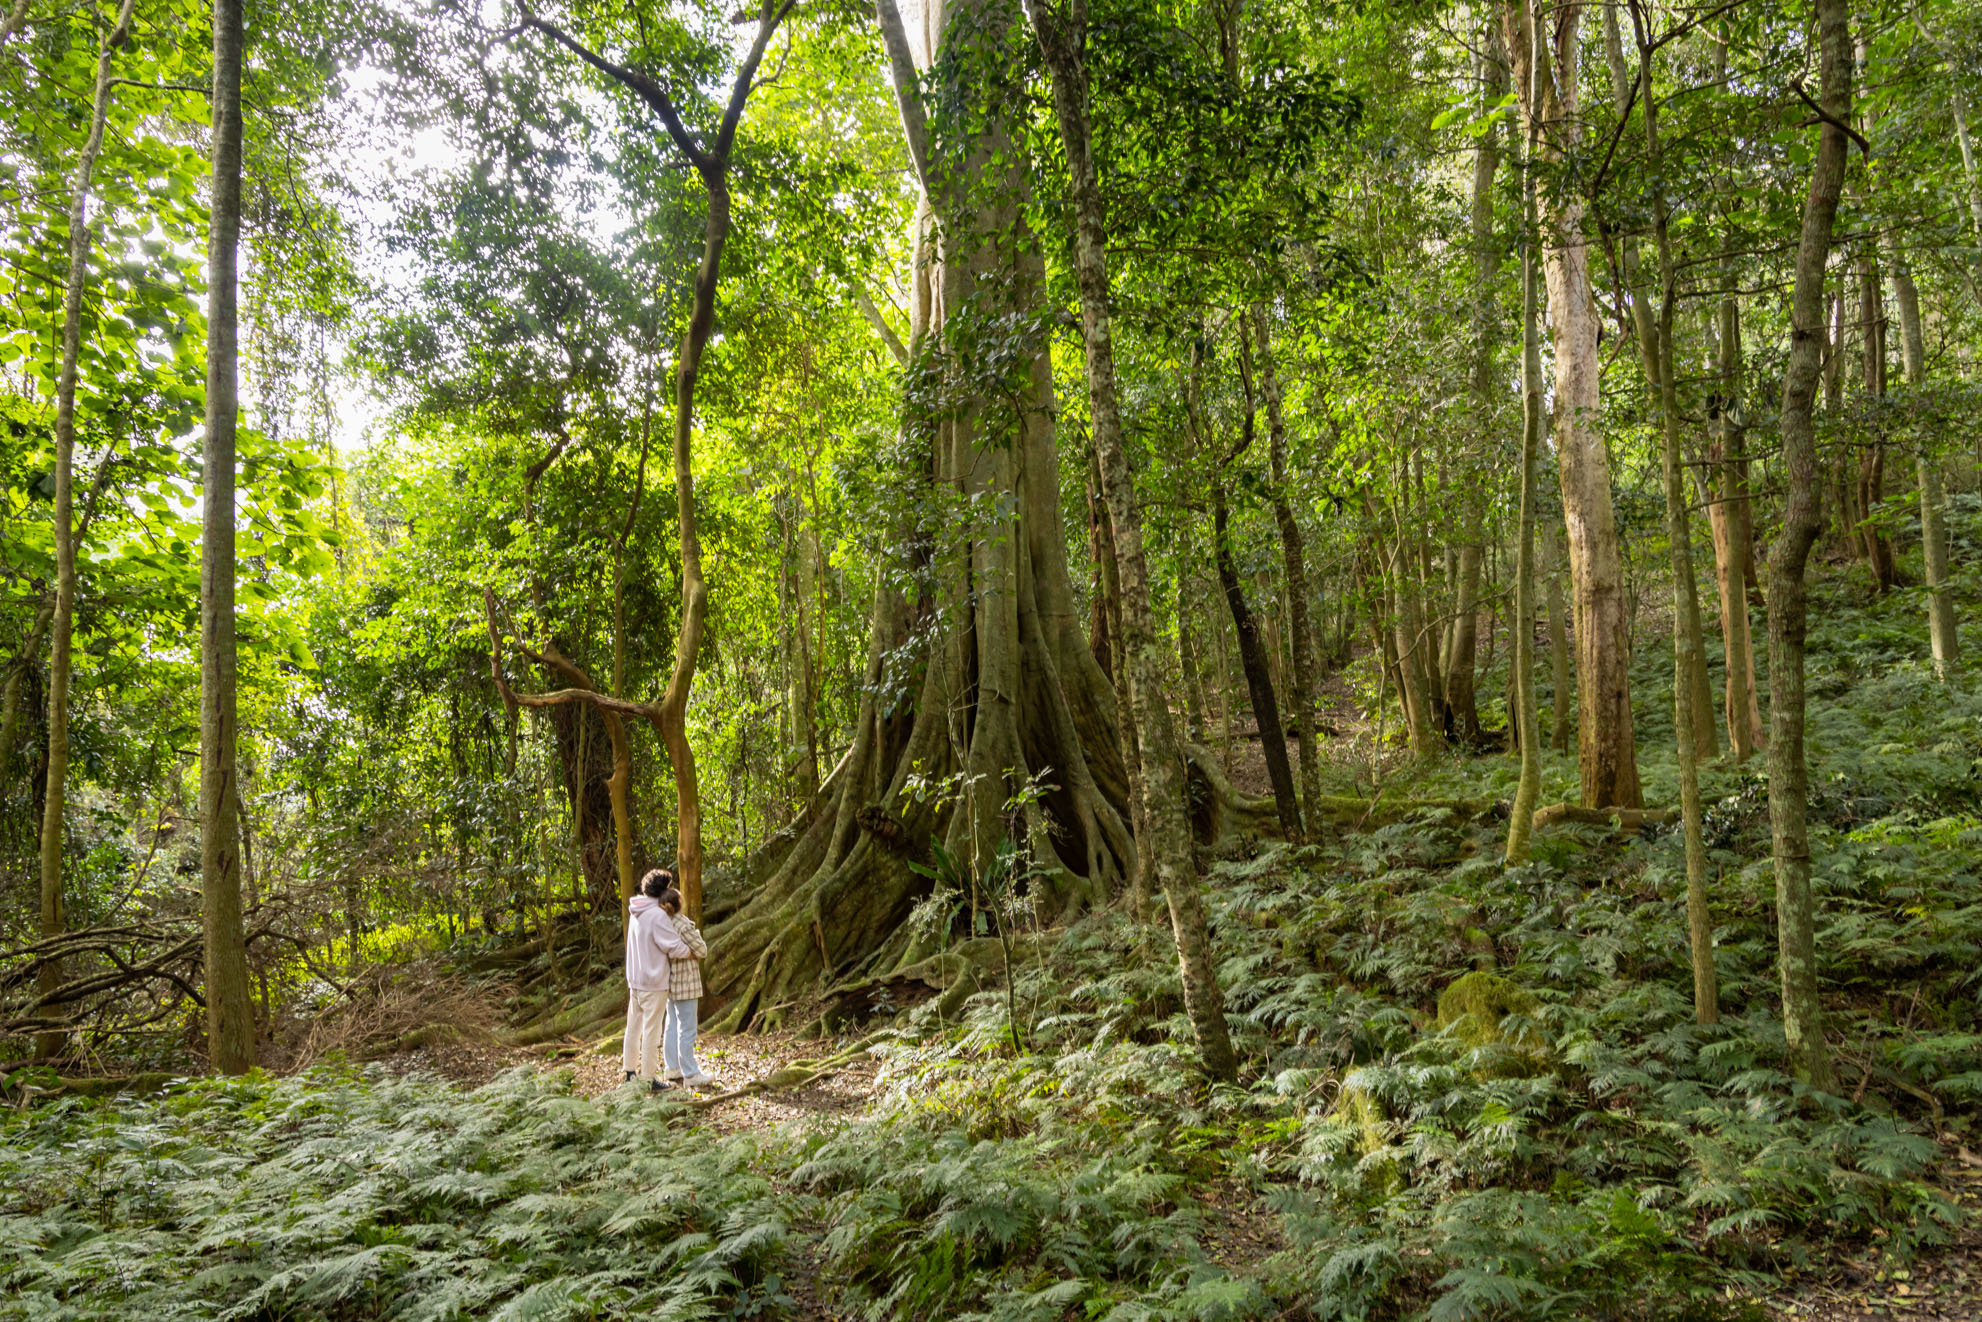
641 1051
678 1043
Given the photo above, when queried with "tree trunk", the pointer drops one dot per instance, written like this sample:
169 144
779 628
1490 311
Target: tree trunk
1545 50
1802 1010
1558 644
61 615
230 1024
1730 515
1688 651
1010 689
1522 714
1872 459
1061 41
711 161
1649 332
1293 555
1252 660
1941 632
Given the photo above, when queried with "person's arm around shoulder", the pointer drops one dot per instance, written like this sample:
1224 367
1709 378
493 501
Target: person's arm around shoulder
669 938
698 948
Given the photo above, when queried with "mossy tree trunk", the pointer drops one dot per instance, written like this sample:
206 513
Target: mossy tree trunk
986 672
1789 781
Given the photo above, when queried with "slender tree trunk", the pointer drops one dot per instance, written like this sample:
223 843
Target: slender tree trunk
1293 555
230 1024
1560 714
1872 459
1941 632
1522 712
711 161
1544 49
1061 40
1688 650
17 676
61 615
1731 516
1802 1010
1629 90
1252 660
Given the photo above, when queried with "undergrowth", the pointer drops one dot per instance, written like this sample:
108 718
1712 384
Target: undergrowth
1468 1093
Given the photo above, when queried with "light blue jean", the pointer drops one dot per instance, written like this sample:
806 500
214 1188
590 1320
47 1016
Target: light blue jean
678 1040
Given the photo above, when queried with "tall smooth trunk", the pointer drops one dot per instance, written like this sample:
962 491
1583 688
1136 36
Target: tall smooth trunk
1061 39
230 1025
1688 651
1545 49
1789 783
1730 514
1294 559
1526 719
1942 635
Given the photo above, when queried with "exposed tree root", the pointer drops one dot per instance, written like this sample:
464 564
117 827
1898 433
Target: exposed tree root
603 1001
797 1074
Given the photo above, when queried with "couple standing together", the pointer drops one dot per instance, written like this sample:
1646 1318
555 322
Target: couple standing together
664 953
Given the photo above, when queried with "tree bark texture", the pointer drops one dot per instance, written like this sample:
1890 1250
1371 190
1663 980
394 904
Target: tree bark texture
1802 1010
230 1025
987 672
1294 560
1544 48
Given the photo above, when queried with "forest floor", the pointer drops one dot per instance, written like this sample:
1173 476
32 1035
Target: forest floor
1575 1147
1944 1283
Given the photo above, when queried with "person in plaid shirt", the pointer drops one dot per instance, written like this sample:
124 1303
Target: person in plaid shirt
684 999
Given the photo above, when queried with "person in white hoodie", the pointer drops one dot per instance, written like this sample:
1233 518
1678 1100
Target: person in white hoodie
652 942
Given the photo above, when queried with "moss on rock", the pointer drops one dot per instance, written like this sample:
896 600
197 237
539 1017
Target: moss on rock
1475 1009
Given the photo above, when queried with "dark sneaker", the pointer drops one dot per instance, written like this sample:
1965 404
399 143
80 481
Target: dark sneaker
655 1085
631 1075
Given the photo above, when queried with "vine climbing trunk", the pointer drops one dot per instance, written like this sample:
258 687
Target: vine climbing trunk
230 1025
985 672
1789 778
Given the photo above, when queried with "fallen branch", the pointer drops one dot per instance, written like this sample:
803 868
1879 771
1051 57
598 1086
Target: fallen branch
796 1074
1628 821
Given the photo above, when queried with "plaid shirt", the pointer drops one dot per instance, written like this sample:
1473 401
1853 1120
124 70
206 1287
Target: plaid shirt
685 975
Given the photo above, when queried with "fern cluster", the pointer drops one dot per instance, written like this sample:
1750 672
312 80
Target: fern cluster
336 1195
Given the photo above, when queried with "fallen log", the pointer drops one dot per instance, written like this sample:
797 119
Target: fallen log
1626 821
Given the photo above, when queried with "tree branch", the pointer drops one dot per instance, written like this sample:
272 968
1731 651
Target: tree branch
908 87
643 86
